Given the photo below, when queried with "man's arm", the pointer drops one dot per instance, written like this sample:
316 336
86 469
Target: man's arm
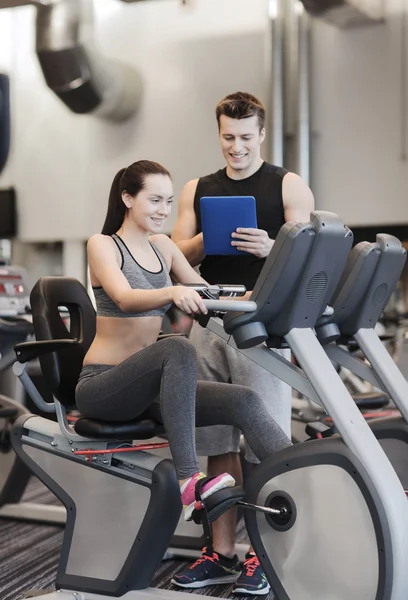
184 232
298 203
298 199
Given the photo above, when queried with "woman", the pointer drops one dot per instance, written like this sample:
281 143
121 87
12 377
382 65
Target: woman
127 371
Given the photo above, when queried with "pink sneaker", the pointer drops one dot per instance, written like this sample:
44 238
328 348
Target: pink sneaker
214 485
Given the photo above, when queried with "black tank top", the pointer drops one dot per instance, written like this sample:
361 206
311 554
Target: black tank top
266 187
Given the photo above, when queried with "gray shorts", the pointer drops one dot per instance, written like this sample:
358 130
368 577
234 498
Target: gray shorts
219 362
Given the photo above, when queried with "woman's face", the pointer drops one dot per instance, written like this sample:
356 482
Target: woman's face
152 205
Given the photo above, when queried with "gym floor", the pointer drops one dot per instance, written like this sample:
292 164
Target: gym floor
29 552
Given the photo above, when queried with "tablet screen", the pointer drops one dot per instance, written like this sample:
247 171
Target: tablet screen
221 216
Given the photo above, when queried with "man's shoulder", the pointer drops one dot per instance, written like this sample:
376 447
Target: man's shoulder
274 170
212 177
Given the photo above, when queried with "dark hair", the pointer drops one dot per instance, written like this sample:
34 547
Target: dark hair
241 105
130 180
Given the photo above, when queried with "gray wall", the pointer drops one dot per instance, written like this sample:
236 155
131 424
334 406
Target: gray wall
360 167
190 57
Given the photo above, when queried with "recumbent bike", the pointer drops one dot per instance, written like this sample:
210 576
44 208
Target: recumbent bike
340 497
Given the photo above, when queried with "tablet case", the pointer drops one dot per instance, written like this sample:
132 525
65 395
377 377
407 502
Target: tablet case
220 216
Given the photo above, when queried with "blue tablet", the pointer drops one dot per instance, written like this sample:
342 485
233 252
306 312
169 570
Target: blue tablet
220 216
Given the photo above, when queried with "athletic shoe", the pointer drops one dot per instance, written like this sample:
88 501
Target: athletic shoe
213 485
252 580
209 569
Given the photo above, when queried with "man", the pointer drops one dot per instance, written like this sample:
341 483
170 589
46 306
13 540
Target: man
280 196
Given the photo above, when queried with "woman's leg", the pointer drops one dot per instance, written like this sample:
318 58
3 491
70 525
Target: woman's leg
227 404
166 372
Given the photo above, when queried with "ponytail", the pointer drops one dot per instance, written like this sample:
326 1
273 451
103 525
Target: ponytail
116 208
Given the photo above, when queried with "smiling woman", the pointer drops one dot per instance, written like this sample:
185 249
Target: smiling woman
126 371
129 267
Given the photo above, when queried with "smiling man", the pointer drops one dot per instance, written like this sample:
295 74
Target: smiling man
280 196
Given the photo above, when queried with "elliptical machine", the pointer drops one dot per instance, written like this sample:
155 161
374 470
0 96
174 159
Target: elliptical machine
342 497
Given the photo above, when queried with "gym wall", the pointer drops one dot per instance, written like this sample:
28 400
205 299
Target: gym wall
189 56
359 120
62 164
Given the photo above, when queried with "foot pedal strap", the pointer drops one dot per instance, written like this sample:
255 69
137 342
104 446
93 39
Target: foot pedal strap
218 503
221 501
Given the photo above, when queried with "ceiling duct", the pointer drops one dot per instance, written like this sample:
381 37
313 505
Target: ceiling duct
347 13
86 81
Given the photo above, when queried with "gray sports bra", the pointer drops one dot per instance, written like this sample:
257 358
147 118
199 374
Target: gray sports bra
138 278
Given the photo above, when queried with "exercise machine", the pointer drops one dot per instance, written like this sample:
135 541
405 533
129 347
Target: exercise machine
360 302
14 474
371 276
339 497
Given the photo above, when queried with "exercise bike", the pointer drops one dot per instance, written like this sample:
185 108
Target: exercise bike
303 497
360 302
371 276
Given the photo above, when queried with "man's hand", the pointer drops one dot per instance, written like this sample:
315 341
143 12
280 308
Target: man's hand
253 241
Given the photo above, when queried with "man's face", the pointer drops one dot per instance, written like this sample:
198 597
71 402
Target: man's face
240 141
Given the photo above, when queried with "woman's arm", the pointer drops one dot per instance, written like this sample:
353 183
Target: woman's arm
180 268
104 265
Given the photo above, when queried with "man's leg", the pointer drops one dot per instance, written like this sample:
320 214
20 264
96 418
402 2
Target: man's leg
224 528
278 399
211 441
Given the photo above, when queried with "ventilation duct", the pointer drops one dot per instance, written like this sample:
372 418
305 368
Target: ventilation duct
75 71
347 13
83 79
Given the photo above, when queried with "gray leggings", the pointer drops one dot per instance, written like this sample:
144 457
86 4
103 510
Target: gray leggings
162 378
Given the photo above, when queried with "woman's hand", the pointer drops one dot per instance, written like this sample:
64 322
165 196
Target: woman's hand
188 300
